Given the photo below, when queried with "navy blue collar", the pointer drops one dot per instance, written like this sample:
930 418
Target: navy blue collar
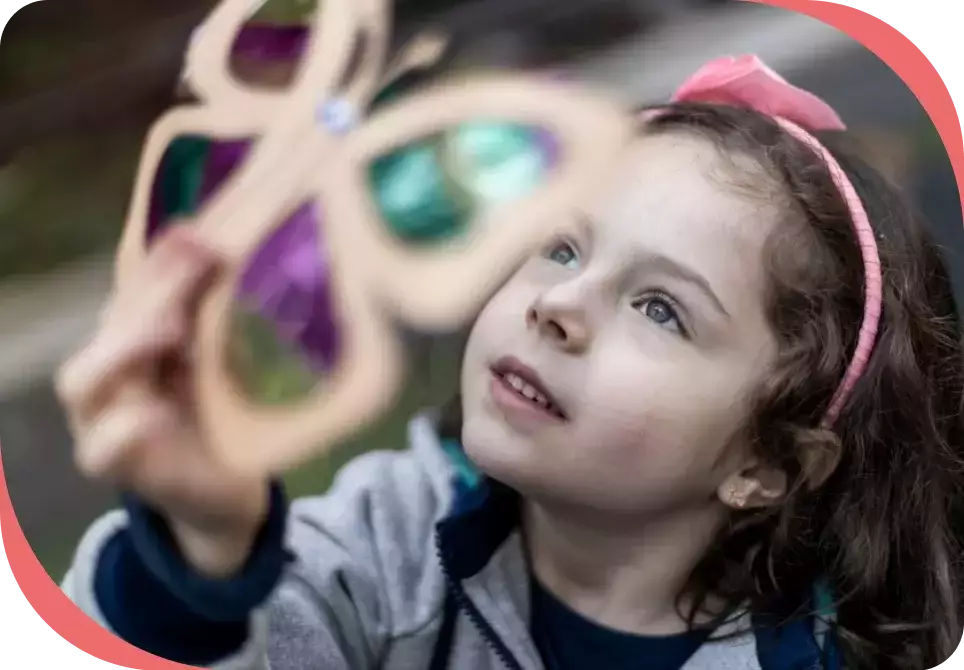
483 516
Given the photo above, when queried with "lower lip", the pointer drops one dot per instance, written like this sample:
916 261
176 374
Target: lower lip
516 406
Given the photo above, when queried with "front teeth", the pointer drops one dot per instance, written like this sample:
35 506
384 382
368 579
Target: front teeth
526 389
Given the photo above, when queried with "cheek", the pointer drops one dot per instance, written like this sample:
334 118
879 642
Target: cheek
502 316
661 406
501 320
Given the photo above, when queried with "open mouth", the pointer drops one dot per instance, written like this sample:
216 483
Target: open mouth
526 384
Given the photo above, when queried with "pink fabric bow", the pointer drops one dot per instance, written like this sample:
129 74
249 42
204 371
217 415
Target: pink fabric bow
746 81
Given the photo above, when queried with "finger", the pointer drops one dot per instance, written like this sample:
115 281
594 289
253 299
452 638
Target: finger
179 237
112 356
140 325
172 277
109 448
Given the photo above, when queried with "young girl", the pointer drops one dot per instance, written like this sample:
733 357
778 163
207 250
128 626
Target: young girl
716 426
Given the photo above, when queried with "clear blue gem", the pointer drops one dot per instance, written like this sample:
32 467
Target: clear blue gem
337 115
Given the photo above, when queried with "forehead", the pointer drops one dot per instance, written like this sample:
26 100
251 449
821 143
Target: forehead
677 196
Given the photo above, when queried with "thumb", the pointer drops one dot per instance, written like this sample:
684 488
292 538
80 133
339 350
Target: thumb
160 304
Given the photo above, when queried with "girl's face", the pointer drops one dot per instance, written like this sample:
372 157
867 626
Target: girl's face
614 369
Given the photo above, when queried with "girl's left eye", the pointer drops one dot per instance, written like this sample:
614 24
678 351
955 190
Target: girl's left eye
562 253
662 310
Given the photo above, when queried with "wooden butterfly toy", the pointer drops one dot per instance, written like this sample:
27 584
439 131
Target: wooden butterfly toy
344 213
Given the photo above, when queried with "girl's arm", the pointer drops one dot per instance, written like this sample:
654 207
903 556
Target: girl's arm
343 591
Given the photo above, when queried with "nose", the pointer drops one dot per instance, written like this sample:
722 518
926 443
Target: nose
561 321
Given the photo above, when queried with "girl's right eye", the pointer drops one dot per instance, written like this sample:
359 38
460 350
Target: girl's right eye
562 253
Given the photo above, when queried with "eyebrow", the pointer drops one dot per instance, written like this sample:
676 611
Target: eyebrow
672 267
667 265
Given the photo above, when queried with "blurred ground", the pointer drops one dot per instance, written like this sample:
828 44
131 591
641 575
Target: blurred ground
65 180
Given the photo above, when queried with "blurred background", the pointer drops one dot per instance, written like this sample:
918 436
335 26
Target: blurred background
81 81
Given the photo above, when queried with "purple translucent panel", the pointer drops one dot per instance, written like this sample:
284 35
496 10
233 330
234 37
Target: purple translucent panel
288 281
222 159
271 42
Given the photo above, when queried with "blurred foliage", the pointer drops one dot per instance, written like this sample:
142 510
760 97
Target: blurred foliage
64 201
47 44
28 61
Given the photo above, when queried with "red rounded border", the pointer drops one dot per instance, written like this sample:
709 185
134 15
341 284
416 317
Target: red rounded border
67 620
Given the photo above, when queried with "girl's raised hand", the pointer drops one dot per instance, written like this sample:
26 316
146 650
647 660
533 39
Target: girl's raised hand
129 402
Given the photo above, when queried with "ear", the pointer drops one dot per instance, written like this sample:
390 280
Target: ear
753 487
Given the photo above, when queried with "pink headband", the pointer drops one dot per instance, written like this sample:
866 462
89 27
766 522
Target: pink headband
747 82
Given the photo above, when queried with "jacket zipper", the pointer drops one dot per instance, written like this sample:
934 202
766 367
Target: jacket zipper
491 638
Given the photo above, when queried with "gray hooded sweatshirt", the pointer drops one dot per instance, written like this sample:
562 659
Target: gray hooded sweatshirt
405 564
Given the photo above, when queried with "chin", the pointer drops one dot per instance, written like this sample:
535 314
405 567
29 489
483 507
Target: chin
504 456
495 450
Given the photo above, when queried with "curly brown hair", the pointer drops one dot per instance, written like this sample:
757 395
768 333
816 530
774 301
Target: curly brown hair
875 504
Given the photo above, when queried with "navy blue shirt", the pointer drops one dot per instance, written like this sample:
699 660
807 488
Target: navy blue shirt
568 641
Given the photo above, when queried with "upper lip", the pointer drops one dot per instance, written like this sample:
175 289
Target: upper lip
511 364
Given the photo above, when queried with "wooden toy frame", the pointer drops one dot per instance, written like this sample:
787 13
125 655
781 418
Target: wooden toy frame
312 145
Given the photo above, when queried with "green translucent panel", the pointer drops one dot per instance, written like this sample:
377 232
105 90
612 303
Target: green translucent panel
178 183
431 190
495 163
269 370
182 172
412 195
